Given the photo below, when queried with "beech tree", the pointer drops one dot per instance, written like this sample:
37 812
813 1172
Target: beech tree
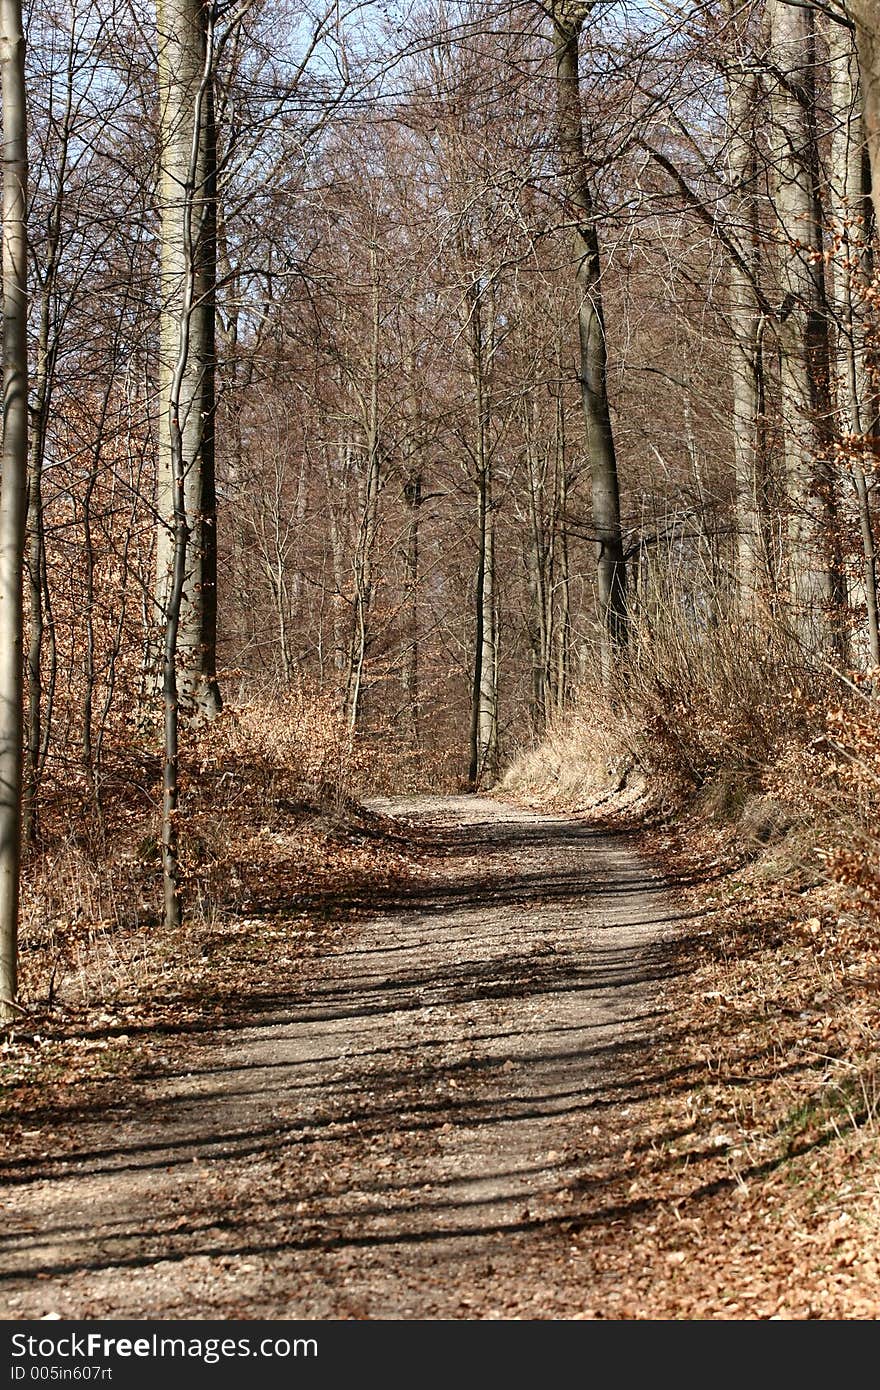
186 549
852 268
802 329
863 16
186 546
13 486
568 18
742 90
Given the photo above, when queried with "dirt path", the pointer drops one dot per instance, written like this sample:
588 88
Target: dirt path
410 1136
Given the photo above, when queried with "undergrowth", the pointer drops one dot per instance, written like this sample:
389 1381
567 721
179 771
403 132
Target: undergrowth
270 796
729 722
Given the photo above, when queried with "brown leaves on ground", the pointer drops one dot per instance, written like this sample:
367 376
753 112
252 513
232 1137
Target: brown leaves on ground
111 1003
750 1181
736 1174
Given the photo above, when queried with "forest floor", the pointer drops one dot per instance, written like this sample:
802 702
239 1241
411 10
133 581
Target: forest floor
517 1065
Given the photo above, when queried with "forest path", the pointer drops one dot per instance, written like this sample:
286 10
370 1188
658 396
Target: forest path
409 1134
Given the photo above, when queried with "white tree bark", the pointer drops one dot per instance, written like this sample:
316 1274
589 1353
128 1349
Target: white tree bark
850 194
186 331
865 15
479 308
802 329
13 487
187 191
745 317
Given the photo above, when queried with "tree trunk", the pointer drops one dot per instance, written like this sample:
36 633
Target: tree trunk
340 607
561 588
744 322
484 686
412 492
13 487
191 35
540 623
611 565
813 576
866 16
368 521
488 719
477 682
850 192
187 190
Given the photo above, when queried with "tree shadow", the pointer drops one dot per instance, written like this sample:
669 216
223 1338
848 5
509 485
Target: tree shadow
315 1128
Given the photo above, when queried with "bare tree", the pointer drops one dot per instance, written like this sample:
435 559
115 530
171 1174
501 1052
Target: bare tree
188 195
746 317
186 30
852 227
864 17
802 329
13 486
568 18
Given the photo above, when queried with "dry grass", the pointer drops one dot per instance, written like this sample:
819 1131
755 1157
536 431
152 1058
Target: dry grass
730 721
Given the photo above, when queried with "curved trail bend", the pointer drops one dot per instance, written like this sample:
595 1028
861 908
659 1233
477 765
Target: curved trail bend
409 1136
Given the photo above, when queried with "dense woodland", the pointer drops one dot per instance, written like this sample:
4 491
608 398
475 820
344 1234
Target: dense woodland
390 386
